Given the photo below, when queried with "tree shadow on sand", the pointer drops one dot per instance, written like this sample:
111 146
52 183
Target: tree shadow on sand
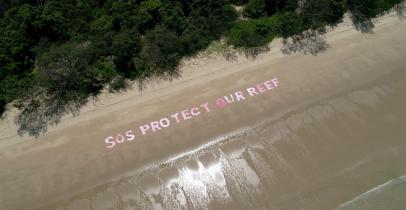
252 53
2 110
43 109
362 23
232 54
400 10
309 42
365 23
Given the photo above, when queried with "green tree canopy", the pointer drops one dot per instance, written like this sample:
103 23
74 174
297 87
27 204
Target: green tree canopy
55 54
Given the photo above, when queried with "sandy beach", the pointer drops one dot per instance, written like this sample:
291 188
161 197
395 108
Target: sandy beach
333 129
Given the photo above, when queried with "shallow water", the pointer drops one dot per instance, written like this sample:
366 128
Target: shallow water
390 195
323 156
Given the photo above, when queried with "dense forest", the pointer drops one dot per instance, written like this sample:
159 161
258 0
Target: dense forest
56 54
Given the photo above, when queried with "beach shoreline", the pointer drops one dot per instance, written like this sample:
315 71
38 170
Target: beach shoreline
72 157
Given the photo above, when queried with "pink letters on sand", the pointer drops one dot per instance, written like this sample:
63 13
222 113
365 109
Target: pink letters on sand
194 112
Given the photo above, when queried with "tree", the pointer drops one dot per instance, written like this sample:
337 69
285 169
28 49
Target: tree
290 24
255 9
161 50
266 8
173 17
238 2
253 33
65 77
213 17
274 6
125 46
319 13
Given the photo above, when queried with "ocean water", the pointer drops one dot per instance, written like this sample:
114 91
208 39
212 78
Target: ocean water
325 155
390 195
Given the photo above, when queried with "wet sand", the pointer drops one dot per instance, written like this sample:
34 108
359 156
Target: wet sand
334 129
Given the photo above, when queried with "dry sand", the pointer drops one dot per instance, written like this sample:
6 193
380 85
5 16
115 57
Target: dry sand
331 131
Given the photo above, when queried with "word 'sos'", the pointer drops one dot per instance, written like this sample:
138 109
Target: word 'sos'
191 113
158 125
